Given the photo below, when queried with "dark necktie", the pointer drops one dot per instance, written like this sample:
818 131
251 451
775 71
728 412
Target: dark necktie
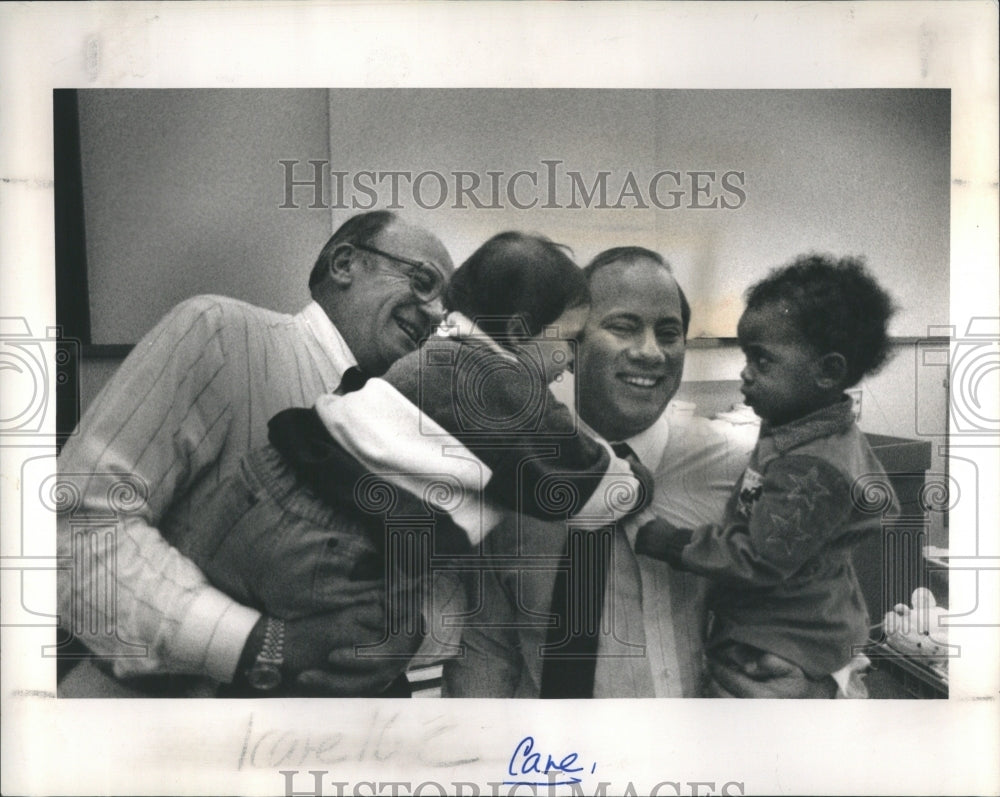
569 658
353 379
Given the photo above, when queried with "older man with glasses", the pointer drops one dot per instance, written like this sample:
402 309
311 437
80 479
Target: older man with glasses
189 402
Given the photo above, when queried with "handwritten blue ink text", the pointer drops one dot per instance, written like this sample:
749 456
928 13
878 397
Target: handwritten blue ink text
525 762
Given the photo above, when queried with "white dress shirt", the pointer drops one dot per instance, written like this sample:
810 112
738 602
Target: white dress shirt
661 611
654 616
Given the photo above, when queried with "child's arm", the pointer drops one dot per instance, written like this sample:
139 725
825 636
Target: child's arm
804 504
540 462
408 429
559 472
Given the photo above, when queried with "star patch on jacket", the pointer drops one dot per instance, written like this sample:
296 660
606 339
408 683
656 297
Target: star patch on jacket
751 488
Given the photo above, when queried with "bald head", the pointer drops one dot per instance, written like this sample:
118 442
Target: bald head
367 294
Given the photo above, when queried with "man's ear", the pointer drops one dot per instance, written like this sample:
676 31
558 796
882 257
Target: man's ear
340 266
831 371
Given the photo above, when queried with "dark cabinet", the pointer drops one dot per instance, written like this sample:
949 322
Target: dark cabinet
891 565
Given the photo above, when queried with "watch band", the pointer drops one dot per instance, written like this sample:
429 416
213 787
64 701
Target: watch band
265 673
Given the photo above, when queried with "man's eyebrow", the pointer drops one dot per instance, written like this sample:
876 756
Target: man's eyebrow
614 315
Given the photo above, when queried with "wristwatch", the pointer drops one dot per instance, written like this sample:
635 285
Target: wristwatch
265 673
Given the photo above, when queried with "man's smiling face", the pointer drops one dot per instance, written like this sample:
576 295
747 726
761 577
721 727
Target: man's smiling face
630 358
391 320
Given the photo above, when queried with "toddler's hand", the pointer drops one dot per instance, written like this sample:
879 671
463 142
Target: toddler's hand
661 540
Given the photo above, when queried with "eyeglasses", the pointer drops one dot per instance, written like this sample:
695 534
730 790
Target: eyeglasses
426 282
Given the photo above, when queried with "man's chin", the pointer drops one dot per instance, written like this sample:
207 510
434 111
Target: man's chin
647 405
389 352
622 423
398 352
642 420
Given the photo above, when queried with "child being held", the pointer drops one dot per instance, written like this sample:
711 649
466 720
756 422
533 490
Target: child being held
450 437
472 405
780 563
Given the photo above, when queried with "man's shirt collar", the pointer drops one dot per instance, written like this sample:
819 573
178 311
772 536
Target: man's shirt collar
651 443
327 336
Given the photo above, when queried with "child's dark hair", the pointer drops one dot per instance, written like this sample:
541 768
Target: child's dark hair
516 274
837 305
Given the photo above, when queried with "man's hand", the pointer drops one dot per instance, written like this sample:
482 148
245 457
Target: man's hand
746 672
321 654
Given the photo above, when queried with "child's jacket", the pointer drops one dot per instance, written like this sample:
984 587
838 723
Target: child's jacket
783 580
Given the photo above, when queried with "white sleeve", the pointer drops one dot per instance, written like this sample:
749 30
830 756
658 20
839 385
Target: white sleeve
390 436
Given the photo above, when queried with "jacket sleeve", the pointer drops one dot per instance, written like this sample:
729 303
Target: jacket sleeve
566 474
804 504
335 477
536 460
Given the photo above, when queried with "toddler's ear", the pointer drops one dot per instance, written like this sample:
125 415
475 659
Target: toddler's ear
831 371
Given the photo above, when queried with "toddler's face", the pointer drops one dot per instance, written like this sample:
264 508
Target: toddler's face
779 380
557 341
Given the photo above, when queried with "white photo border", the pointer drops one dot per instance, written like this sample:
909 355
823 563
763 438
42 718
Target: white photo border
224 747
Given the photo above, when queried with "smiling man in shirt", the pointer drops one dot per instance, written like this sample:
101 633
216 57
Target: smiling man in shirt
191 399
628 366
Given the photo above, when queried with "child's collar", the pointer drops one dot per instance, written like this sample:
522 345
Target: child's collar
834 419
460 326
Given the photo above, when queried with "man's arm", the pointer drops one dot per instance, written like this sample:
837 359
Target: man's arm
160 422
320 654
